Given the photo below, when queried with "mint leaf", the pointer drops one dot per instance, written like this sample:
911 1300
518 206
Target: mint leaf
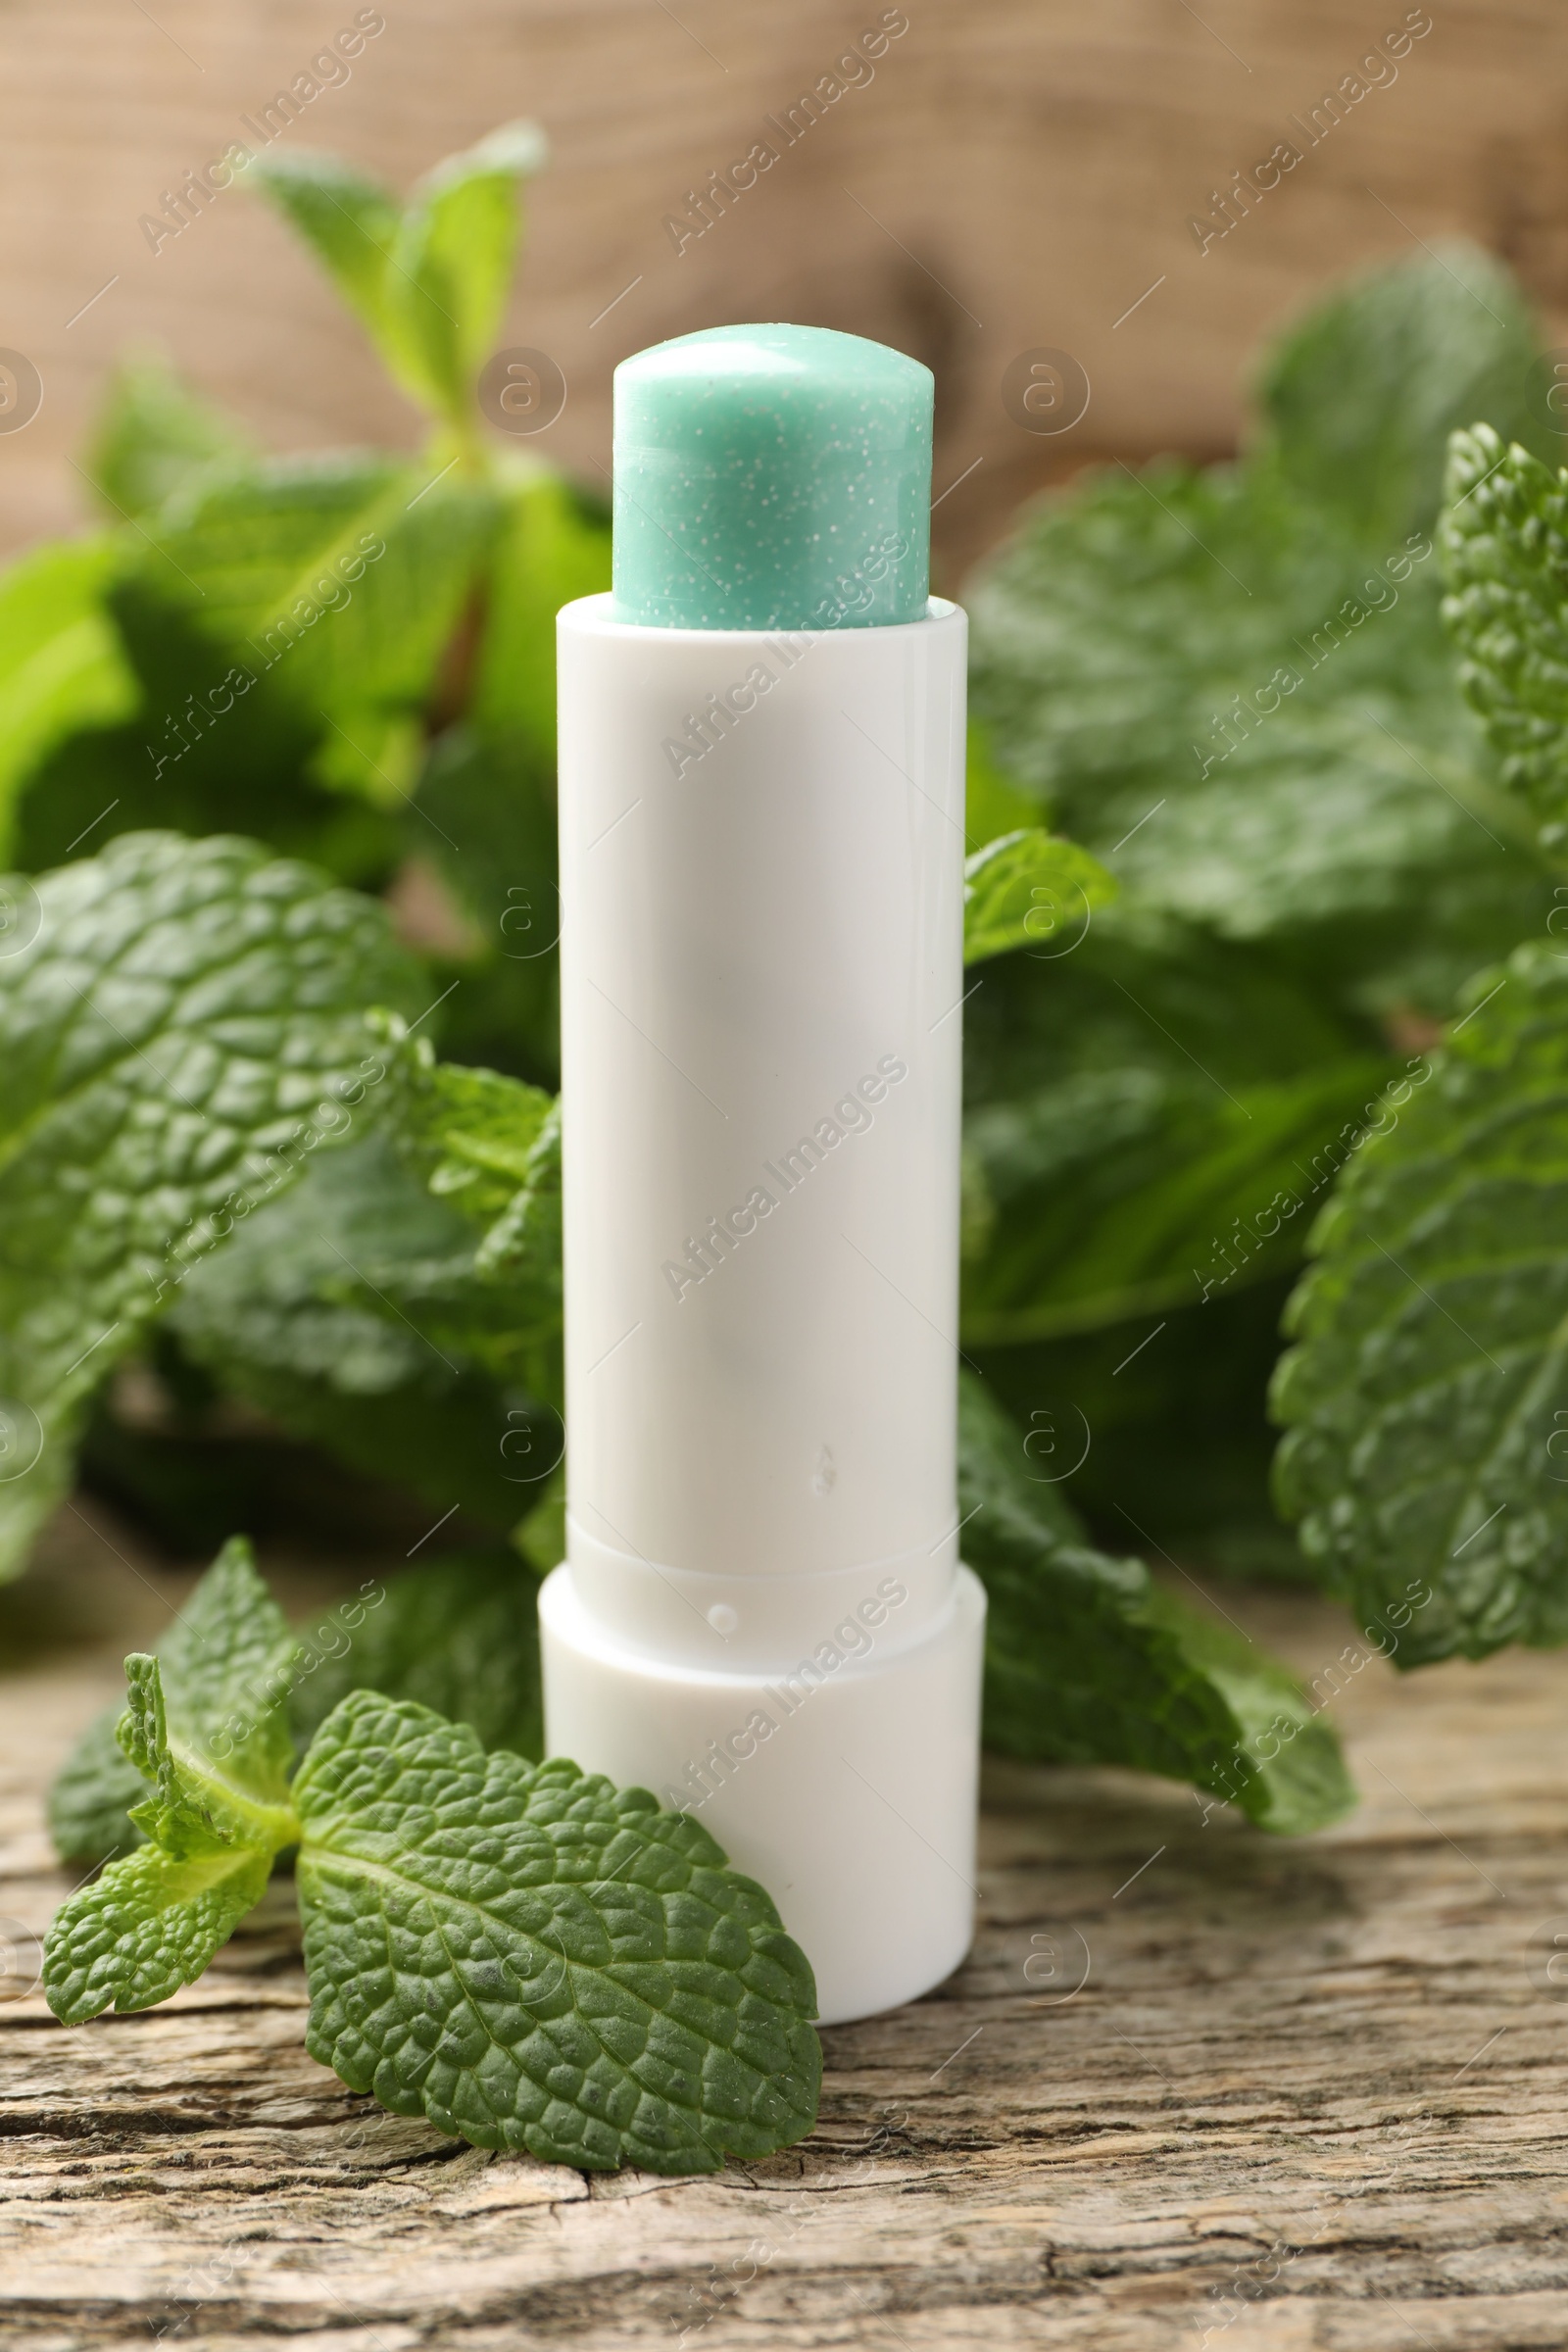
552 547
339 580
186 1025
222 1666
535 1961
153 435
1239 701
495 794
458 1635
1360 397
451 267
149 1924
1028 889
93 1791
1505 549
350 221
1250 722
322 1310
1426 1399
1134 1191
61 665
226 1664
491 1146
1088 1662
428 280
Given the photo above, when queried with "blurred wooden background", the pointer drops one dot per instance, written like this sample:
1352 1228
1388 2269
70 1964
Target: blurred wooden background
1018 174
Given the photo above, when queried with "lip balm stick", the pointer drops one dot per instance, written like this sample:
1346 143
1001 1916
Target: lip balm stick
762 1615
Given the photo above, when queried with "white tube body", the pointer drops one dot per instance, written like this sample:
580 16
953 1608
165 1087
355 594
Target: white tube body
762 1615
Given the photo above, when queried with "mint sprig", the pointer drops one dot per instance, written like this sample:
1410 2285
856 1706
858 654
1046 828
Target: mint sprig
527 1955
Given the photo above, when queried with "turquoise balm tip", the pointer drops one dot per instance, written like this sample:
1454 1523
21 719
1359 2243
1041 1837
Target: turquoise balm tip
773 477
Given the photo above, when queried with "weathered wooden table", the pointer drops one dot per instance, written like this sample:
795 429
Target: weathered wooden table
1194 2086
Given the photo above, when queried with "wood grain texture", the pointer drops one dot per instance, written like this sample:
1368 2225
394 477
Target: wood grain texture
1019 173
1304 2095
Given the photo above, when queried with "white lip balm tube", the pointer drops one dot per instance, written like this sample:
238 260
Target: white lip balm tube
762 1615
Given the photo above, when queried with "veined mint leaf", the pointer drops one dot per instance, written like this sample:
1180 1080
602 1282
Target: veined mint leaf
1088 1662
536 1961
225 1671
1029 890
1427 1395
188 1022
1505 549
149 1924
1359 397
1230 684
197 1807
226 1664
323 1309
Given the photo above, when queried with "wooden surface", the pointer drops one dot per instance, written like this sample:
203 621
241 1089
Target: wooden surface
1308 2095
1018 176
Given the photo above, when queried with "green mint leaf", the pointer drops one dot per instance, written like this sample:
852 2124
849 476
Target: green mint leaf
1134 1191
1029 890
460 1636
337 581
177 1816
992 804
492 1147
316 1312
534 1961
149 1924
428 279
349 222
226 1667
62 667
153 435
94 1789
1360 397
1251 723
1243 704
187 1023
450 269
1088 1662
1427 1395
495 793
1505 551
